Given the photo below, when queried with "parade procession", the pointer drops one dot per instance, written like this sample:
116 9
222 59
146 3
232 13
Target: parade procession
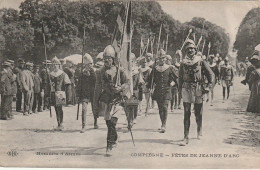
127 84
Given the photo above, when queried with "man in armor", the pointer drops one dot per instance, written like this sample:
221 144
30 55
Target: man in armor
109 82
85 89
59 79
227 76
162 78
214 67
191 74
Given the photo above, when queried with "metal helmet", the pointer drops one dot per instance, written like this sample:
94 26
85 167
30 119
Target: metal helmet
190 44
55 60
87 59
100 56
109 51
162 53
199 54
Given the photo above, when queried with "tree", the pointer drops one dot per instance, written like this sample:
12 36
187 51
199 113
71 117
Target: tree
248 35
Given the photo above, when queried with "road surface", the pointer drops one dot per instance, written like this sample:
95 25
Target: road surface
231 139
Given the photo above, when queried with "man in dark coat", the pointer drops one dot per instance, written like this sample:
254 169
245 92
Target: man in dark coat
19 95
191 73
46 83
162 77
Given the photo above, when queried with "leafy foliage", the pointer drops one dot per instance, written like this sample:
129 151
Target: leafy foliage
248 35
64 22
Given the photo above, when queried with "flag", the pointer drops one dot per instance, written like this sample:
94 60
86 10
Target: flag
120 24
125 52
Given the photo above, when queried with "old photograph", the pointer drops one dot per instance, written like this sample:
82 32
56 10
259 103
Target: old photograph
130 84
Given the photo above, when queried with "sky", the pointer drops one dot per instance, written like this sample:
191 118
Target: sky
227 14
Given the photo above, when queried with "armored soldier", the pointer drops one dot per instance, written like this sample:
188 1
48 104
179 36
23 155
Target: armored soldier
6 91
19 94
149 60
107 92
85 89
28 88
59 79
226 76
191 73
163 77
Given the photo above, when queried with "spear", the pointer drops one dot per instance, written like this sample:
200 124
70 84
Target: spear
166 46
45 53
159 38
200 36
81 71
203 47
209 49
190 31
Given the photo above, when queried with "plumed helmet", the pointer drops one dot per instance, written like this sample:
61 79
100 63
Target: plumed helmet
55 60
87 59
109 51
100 56
190 44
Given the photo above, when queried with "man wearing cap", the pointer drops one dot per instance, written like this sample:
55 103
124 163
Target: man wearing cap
162 78
37 102
14 84
107 91
191 74
19 95
70 88
59 79
85 89
46 83
226 76
28 88
6 91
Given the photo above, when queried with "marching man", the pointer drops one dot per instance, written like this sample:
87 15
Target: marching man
59 79
85 89
162 78
107 91
227 77
191 73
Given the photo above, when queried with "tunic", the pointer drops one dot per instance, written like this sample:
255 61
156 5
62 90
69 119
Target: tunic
191 78
163 77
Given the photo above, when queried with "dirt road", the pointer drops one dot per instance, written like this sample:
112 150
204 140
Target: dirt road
231 139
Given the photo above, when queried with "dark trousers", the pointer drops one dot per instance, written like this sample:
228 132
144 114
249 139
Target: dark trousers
163 111
6 106
59 114
68 92
19 96
198 109
37 102
111 133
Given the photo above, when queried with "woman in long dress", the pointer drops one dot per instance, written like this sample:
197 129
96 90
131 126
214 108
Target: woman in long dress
254 86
